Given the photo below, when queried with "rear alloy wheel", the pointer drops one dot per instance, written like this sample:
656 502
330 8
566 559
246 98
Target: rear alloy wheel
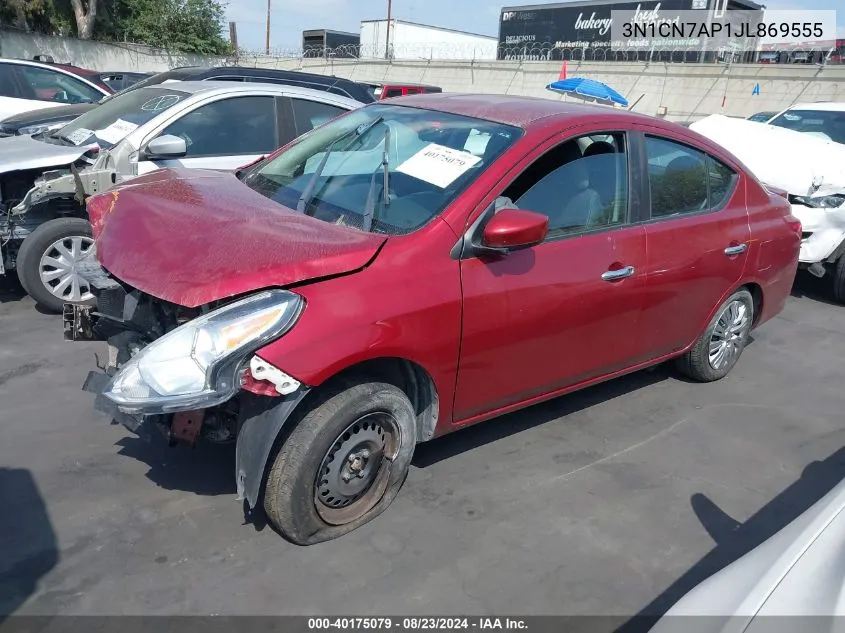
342 464
718 349
48 259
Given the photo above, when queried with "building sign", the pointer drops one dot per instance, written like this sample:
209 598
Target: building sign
555 32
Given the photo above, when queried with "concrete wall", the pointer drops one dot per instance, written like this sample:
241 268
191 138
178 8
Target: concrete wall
688 91
96 55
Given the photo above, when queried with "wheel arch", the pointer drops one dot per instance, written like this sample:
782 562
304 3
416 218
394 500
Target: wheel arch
266 423
756 291
407 375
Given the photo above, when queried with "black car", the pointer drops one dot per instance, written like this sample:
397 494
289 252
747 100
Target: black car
121 80
37 121
345 87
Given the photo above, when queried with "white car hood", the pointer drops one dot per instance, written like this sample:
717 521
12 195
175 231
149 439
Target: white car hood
798 571
789 160
23 152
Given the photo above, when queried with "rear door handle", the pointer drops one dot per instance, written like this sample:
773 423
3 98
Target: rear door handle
613 275
736 250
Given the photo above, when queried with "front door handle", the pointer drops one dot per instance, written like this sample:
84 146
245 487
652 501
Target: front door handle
735 250
621 273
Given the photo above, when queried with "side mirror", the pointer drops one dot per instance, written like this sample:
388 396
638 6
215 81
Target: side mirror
167 146
514 229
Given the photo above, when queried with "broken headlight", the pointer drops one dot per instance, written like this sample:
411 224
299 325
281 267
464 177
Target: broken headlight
30 130
819 202
196 365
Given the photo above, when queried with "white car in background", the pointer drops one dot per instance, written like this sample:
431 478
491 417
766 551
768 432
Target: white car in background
29 85
809 167
799 571
45 178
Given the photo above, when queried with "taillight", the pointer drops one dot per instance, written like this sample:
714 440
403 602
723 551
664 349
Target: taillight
794 223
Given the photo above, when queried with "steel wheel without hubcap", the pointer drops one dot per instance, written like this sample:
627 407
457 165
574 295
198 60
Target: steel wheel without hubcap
58 265
355 471
728 335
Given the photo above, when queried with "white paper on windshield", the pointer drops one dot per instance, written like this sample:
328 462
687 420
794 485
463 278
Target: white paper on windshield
79 136
116 132
438 165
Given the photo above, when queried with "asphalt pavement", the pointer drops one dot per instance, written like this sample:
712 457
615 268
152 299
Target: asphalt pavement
615 500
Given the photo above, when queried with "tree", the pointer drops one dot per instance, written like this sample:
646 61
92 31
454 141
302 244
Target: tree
185 26
40 16
181 26
85 12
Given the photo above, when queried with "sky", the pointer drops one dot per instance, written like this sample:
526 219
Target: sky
288 18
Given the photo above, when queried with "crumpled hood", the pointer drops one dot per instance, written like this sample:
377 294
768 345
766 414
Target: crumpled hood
24 152
784 158
195 236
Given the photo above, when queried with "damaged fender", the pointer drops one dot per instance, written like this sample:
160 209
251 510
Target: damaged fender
262 419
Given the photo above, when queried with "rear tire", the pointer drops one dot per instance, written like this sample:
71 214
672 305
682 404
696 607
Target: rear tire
74 236
718 349
306 496
839 280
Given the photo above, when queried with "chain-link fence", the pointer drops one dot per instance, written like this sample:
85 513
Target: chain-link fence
551 51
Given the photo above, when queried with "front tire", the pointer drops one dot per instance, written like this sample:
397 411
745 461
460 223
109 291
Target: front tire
342 464
47 263
839 280
718 349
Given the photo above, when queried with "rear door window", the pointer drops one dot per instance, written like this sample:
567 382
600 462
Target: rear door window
309 114
684 180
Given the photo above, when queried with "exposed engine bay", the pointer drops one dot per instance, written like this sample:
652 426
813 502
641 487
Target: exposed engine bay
129 320
31 197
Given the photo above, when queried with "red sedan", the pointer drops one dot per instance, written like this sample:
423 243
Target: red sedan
413 267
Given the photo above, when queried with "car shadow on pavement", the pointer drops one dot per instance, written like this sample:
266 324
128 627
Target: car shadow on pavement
10 289
734 539
28 546
207 469
806 286
478 435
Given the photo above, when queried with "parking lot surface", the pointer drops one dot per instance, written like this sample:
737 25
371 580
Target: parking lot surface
615 500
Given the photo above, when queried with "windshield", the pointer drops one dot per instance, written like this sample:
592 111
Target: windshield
339 172
110 122
827 124
177 74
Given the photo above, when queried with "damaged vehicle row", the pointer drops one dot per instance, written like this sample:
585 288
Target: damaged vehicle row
45 178
413 267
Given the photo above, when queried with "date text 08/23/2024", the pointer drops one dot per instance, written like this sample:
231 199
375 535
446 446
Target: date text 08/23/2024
415 623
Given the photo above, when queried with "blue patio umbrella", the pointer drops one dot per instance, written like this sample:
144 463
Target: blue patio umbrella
588 89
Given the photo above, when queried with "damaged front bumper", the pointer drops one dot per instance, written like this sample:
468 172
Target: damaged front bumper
823 233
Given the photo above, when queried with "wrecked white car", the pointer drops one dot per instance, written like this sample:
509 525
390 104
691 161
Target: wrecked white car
46 178
810 169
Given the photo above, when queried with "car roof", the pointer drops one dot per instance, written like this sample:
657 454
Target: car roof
197 87
830 106
510 110
90 76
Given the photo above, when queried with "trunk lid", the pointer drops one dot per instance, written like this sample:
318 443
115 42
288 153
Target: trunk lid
195 236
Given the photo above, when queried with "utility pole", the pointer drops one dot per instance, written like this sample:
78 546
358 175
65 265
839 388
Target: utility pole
387 44
233 36
267 41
